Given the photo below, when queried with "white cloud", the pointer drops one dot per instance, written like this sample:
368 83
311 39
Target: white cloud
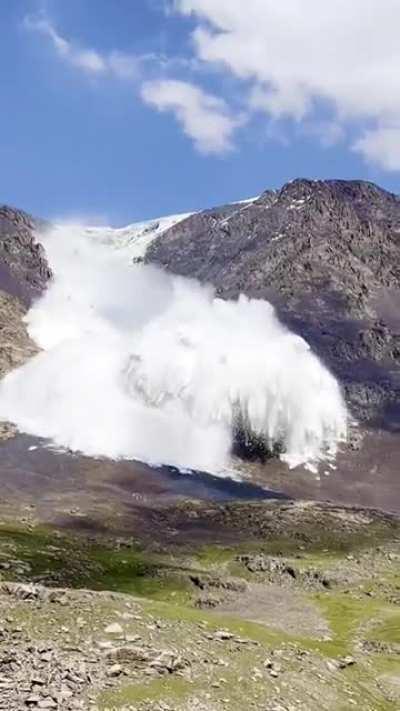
203 117
123 65
206 119
329 133
297 53
381 145
288 57
88 60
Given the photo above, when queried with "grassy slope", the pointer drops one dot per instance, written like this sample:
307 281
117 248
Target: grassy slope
364 609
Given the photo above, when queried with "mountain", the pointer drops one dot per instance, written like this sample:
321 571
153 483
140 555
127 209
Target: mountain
128 586
327 255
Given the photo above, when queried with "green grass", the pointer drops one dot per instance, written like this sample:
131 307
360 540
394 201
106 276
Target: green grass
75 563
346 614
387 630
161 583
167 688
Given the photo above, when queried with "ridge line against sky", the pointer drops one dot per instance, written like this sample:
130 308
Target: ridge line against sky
225 81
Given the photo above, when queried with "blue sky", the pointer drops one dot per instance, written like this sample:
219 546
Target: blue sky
118 111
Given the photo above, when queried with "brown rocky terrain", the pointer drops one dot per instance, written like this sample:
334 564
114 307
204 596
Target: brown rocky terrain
15 345
24 271
23 275
281 607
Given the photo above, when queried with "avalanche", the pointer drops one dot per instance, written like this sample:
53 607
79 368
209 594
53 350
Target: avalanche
139 364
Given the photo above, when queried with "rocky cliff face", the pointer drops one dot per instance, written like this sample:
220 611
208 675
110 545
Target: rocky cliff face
23 266
23 276
327 254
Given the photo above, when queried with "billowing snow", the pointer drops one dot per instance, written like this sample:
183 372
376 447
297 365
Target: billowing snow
134 239
140 364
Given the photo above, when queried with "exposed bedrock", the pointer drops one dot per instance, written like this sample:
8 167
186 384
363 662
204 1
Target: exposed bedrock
327 254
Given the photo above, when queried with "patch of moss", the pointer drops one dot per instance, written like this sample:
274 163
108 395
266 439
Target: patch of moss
214 555
135 574
345 614
318 544
73 562
387 630
167 688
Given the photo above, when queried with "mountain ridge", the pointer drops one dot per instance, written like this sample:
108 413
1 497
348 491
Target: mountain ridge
325 253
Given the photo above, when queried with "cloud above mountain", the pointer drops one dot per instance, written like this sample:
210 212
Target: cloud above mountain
292 56
330 70
204 118
90 61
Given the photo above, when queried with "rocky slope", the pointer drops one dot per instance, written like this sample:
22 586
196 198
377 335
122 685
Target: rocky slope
327 254
302 614
23 268
23 275
15 345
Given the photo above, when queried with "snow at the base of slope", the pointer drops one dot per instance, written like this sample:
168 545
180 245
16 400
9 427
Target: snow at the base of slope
137 237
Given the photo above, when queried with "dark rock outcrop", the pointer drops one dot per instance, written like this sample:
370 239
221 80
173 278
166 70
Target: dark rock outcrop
327 255
15 344
23 276
24 271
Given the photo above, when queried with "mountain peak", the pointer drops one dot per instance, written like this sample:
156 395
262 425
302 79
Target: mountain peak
327 254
